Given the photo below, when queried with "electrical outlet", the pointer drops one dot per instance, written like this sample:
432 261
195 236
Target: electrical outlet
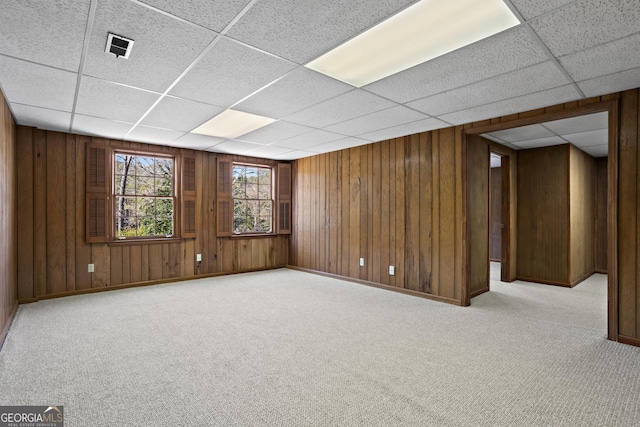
91 268
199 257
392 270
361 262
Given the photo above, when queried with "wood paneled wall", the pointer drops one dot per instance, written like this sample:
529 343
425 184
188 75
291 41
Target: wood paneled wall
53 254
543 227
8 225
600 250
556 215
495 241
628 295
582 219
397 202
478 170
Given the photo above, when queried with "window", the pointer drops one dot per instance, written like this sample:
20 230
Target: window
252 192
144 193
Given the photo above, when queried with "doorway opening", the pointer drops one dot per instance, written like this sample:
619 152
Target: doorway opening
571 218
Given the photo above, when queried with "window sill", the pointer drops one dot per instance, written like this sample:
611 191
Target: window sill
253 236
152 241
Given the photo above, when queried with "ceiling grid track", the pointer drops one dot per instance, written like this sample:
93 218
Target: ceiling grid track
206 50
85 48
544 46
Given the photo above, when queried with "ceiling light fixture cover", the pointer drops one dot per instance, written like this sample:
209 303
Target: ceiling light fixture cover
423 31
232 124
119 46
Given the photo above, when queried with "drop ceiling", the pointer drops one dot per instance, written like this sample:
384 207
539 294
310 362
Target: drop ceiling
589 133
193 60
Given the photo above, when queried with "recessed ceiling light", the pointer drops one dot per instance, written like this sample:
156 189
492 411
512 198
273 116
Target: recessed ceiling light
231 124
423 31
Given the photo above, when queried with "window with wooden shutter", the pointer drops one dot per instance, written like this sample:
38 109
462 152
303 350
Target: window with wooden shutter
98 210
188 196
283 211
224 206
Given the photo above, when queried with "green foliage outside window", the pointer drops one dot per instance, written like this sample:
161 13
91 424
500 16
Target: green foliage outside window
252 199
144 196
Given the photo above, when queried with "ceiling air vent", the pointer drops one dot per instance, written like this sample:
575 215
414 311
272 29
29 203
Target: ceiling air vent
119 46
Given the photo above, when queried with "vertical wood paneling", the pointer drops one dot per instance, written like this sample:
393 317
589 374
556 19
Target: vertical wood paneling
447 213
345 211
40 211
354 212
628 214
8 220
600 243
55 255
478 214
82 249
70 207
581 214
25 218
435 214
543 214
426 201
400 213
385 204
412 214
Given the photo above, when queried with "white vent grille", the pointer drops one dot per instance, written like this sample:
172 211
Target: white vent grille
119 46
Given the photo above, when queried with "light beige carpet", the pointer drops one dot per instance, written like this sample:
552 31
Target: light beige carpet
286 348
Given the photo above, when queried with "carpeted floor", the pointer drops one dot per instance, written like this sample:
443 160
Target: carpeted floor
286 348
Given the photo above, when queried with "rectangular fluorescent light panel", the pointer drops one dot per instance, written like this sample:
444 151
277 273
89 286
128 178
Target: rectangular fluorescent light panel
421 32
231 124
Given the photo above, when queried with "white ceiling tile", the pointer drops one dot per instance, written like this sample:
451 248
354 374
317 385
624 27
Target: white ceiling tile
495 55
405 129
379 120
299 89
612 83
47 32
604 59
530 9
523 133
532 79
301 30
587 23
586 139
180 114
343 107
540 142
306 140
214 15
597 150
163 47
96 126
108 100
579 124
493 137
31 84
275 132
229 72
152 135
514 105
295 154
233 147
268 151
195 141
340 144
41 118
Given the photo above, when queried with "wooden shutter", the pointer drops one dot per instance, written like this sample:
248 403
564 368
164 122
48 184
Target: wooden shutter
224 204
98 208
188 195
283 199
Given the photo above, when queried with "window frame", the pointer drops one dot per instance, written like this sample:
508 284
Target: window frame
175 158
273 198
